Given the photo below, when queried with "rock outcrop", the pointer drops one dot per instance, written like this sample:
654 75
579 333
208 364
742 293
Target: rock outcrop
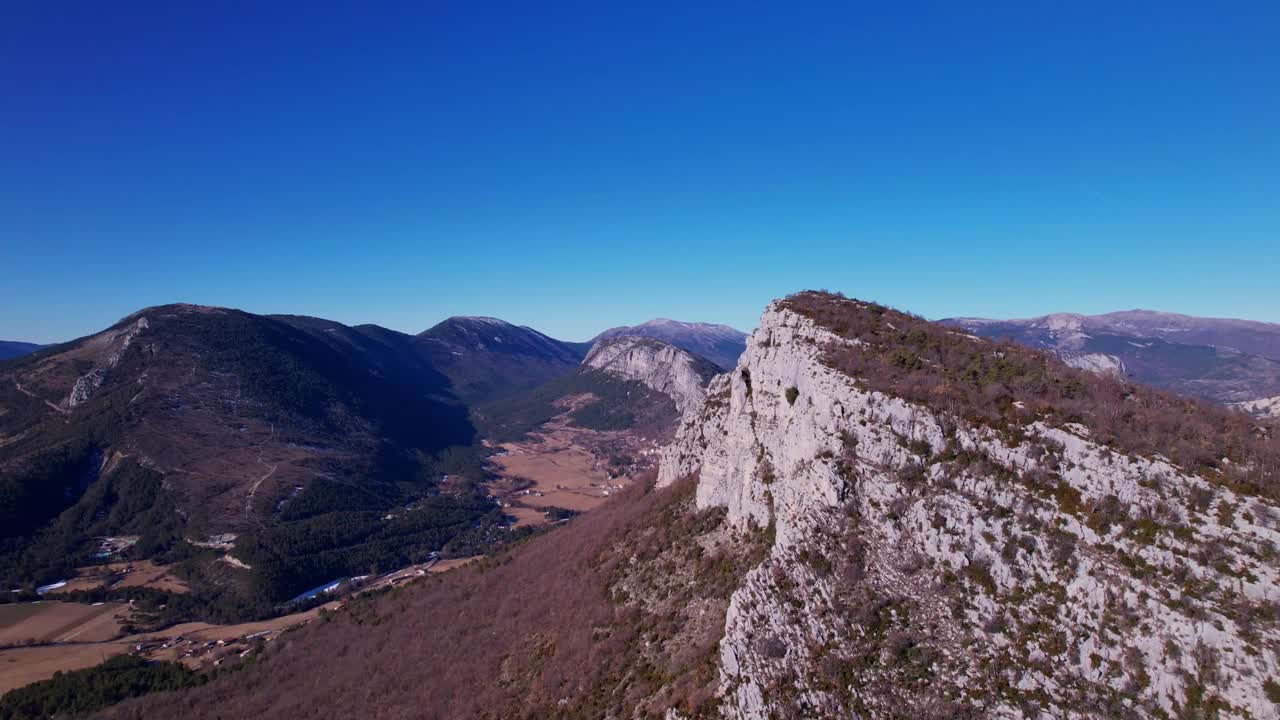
661 367
115 341
924 566
1262 407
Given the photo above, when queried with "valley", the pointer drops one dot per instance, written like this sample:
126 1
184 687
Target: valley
96 637
920 482
564 467
265 505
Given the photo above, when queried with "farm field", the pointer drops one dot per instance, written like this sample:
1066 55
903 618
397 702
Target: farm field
59 622
23 666
525 516
447 565
198 648
141 573
552 469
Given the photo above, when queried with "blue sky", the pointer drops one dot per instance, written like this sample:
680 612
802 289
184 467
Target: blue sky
581 167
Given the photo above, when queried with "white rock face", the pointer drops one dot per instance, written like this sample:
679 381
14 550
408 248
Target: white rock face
117 341
1100 363
1262 407
1048 577
664 368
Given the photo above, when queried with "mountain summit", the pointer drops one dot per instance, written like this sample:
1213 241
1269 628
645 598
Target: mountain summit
487 358
490 334
660 366
720 344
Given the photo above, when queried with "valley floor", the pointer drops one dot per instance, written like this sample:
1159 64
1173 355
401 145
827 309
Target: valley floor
563 466
45 637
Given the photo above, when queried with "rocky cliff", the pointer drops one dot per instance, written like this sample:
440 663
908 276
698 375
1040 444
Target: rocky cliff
720 344
667 369
927 565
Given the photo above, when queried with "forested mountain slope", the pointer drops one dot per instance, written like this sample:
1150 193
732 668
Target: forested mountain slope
181 422
486 358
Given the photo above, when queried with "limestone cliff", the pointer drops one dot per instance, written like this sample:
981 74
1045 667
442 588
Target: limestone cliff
928 566
661 367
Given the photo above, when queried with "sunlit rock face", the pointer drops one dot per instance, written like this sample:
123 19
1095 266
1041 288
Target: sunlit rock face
926 567
659 366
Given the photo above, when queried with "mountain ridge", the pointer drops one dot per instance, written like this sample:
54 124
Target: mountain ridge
871 516
721 344
487 358
1227 361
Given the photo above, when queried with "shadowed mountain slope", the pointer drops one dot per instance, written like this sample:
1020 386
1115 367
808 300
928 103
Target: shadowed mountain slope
184 421
487 358
11 349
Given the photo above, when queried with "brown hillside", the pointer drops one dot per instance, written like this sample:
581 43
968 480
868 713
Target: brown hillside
620 611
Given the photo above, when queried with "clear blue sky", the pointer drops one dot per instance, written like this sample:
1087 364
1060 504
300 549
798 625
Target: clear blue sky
587 166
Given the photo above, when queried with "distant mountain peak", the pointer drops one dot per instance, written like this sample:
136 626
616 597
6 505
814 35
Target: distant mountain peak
12 349
480 319
721 344
660 366
487 357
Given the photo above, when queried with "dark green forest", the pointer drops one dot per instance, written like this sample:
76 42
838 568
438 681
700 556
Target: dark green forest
619 405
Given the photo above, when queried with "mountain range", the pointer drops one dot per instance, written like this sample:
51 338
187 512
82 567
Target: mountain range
486 358
860 513
871 516
1227 361
183 424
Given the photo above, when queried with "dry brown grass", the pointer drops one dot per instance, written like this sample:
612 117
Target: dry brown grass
560 465
23 666
453 564
46 622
